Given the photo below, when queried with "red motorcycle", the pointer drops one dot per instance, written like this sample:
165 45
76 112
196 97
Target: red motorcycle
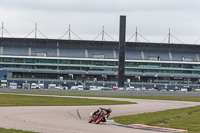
100 115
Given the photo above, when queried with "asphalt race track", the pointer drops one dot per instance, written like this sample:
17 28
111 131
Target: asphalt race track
64 119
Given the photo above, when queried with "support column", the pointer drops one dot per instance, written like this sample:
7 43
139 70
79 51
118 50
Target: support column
29 51
122 49
58 50
1 50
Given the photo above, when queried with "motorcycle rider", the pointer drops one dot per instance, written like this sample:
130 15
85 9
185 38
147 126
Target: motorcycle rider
109 110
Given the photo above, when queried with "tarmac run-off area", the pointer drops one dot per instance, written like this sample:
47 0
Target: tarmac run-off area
64 119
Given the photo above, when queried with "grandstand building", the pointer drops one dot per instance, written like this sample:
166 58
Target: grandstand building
50 59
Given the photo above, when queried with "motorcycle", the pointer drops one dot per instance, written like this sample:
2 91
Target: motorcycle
99 115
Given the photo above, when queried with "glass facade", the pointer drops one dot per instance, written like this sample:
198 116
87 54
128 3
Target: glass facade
102 65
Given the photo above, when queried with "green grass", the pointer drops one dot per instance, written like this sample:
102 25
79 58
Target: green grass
185 118
172 98
3 130
21 100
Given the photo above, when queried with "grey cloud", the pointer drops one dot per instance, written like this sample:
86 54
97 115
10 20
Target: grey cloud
152 17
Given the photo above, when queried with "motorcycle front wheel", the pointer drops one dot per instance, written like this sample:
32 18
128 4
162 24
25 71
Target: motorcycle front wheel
98 120
90 120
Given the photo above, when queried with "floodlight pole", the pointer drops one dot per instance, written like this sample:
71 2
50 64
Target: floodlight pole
136 35
169 36
35 30
2 31
122 49
103 33
69 32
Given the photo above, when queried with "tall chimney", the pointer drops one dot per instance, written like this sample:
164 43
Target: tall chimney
122 49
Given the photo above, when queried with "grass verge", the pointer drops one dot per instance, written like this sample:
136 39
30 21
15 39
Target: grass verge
21 100
171 98
185 118
3 130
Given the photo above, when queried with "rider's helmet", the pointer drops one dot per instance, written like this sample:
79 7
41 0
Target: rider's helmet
109 110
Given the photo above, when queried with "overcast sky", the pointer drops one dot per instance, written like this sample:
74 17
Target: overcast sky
86 17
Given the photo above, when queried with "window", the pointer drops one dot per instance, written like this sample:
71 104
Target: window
52 67
27 67
86 62
75 68
131 64
7 59
15 60
29 60
41 61
52 61
165 65
6 65
64 61
111 63
63 68
40 67
176 65
189 66
98 63
74 62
